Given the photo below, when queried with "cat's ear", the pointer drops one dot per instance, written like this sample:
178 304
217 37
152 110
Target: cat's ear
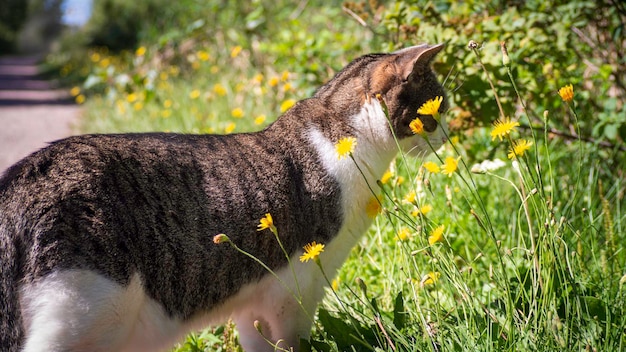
416 59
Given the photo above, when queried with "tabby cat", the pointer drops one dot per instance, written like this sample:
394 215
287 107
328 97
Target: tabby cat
107 241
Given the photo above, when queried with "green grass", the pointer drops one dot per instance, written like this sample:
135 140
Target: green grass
532 257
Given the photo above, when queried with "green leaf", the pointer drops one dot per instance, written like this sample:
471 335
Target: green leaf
399 314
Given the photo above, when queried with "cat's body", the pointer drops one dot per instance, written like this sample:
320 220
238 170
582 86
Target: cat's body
106 241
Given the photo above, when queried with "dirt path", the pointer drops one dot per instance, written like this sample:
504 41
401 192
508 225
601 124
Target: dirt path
33 111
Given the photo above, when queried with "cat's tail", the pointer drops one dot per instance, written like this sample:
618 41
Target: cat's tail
11 331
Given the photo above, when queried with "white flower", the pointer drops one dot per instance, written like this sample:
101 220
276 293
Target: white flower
487 166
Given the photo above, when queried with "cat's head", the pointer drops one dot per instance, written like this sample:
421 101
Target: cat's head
405 81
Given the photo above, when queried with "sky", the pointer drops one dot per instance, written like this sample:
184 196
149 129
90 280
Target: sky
76 12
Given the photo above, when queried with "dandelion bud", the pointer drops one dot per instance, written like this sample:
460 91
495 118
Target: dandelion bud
545 116
221 238
257 326
362 285
472 45
506 61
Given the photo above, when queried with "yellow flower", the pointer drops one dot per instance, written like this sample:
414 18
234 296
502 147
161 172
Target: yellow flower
417 126
80 99
141 51
284 76
436 235
519 148
166 113
373 208
194 94
237 113
266 222
386 177
503 127
335 284
431 107
345 146
567 93
215 69
431 167
403 233
273 82
195 65
219 89
174 70
138 106
163 76
311 251
258 78
410 197
399 180
287 104
203 55
230 127
425 209
259 120
75 91
450 165
286 87
95 57
234 52
131 97
167 103
430 279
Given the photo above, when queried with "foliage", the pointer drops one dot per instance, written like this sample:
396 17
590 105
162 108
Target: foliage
529 251
12 17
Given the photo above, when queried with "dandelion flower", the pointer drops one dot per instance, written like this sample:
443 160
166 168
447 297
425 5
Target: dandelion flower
567 93
230 127
519 148
430 279
436 235
431 167
75 91
286 105
259 120
80 99
131 98
403 233
141 51
417 126
345 146
424 209
373 208
386 177
273 82
166 113
167 103
203 55
219 89
503 127
194 94
431 107
235 51
266 222
311 251
284 76
450 165
335 284
138 106
410 197
237 113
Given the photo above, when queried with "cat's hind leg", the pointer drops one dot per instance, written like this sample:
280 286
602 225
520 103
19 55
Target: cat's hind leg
79 310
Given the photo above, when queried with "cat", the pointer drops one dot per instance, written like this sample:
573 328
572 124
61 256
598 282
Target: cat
107 241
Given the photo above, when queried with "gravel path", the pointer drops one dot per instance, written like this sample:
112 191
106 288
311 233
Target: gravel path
33 111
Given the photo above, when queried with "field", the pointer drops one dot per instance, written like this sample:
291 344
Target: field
510 237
